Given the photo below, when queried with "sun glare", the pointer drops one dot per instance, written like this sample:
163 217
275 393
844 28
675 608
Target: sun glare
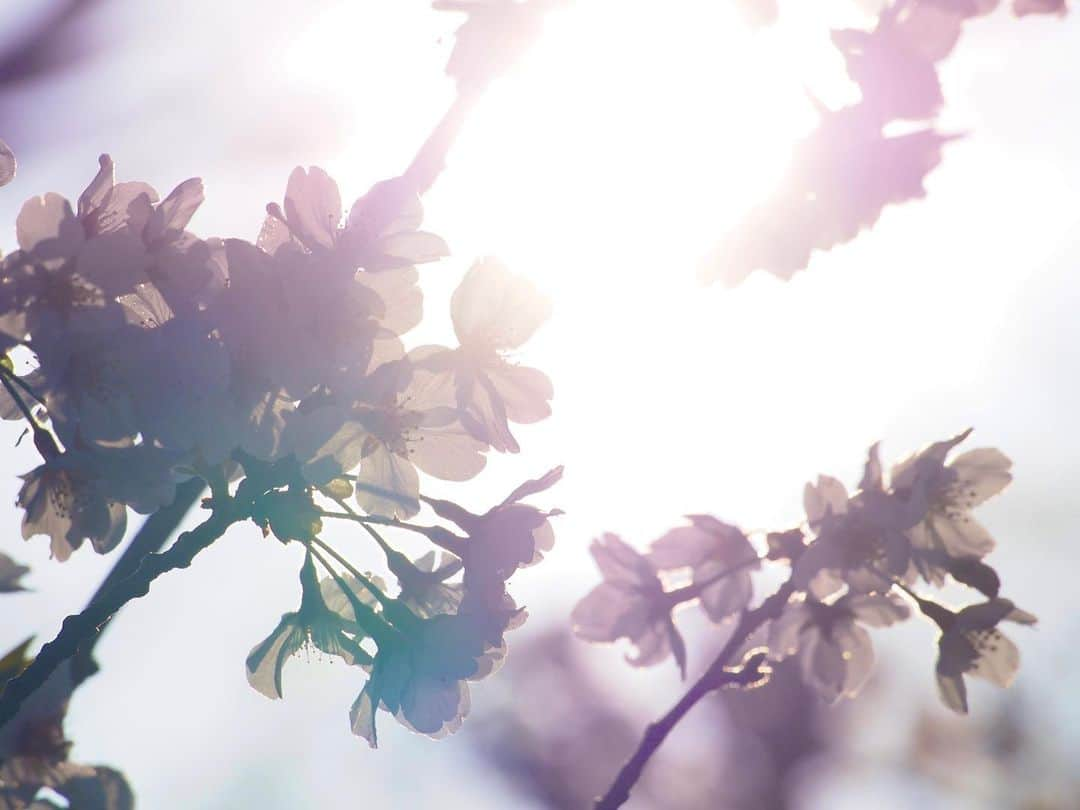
604 168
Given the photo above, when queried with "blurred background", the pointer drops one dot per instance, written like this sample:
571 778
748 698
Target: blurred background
604 167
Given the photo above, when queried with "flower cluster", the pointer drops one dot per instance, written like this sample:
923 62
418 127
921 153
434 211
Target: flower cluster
856 562
851 167
157 356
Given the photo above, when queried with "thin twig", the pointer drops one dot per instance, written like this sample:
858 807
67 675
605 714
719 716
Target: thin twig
715 677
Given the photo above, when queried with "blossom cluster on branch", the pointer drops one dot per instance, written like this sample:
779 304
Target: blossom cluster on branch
276 371
859 560
854 163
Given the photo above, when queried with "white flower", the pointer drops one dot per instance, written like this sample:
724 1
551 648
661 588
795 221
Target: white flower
318 624
382 231
836 655
419 676
494 312
862 539
711 548
63 499
952 490
630 603
971 644
410 423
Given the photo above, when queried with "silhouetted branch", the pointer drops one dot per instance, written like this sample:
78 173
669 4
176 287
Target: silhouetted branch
80 628
151 537
430 159
715 677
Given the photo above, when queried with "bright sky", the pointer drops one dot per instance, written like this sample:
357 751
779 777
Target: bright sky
604 168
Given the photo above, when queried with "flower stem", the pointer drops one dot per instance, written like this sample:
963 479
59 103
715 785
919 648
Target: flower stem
19 381
370 586
5 378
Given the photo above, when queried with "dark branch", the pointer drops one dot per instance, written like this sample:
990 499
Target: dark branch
715 677
82 627
430 159
151 537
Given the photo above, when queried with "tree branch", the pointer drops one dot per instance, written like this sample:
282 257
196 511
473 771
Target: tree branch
430 159
715 677
151 537
82 627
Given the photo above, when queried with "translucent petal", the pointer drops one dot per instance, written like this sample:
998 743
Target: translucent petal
175 211
494 309
525 392
980 474
313 206
998 660
387 484
265 661
828 496
48 225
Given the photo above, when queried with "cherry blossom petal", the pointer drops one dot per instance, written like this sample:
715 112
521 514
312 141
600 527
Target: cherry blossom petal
387 484
981 474
47 226
313 206
495 309
175 211
267 659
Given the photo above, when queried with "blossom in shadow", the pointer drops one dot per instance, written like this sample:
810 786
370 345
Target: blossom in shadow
972 644
952 490
64 498
860 540
420 673
34 751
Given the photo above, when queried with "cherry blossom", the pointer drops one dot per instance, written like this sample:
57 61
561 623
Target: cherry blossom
420 677
494 312
972 644
835 653
313 626
952 490
630 603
